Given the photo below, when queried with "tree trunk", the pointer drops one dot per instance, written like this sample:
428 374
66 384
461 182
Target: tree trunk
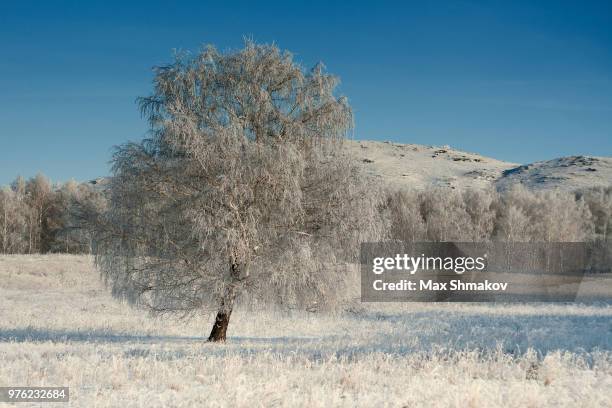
219 329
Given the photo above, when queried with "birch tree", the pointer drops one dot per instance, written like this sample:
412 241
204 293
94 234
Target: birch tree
242 188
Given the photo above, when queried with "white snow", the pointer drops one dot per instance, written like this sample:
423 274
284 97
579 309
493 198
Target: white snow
60 327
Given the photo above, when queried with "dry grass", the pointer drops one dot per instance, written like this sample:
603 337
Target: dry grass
60 327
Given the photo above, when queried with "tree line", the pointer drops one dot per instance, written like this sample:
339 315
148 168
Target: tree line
37 216
516 215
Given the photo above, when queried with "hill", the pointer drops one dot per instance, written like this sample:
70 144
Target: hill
419 166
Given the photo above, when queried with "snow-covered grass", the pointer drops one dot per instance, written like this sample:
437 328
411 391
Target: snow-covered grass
59 326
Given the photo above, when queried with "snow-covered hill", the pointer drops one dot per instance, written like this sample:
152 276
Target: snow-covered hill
419 166
569 173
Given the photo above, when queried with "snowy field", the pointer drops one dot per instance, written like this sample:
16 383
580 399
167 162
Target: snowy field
60 327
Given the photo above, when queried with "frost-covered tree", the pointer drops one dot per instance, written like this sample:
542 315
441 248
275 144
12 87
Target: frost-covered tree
19 186
13 222
559 217
481 206
38 217
71 215
404 212
513 225
442 215
599 201
446 217
551 216
241 189
39 196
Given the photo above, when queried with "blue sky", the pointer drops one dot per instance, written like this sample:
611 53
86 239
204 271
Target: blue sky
517 80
